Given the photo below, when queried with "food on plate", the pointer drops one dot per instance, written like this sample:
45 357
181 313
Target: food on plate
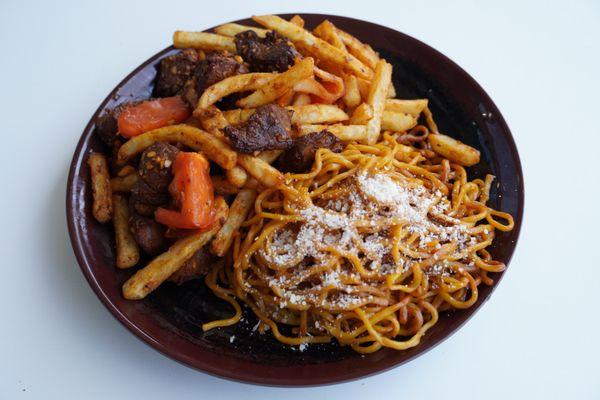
275 163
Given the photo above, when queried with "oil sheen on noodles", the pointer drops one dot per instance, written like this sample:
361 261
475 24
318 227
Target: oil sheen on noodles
367 248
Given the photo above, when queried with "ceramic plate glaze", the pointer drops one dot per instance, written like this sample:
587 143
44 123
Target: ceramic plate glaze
169 319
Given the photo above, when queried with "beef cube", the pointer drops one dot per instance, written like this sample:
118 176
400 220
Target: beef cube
300 157
197 266
148 233
267 129
214 68
173 72
273 53
155 165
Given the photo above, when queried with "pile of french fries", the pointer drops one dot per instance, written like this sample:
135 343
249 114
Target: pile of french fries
364 108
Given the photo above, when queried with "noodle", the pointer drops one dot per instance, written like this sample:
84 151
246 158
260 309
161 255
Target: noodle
367 248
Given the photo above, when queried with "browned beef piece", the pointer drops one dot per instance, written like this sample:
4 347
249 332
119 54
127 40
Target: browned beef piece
143 194
199 265
173 73
148 233
300 156
272 53
214 68
106 128
267 129
155 165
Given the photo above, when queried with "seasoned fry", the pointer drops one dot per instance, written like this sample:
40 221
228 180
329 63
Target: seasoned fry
237 176
318 47
326 31
352 97
126 170
261 170
158 270
202 41
233 84
102 208
222 186
297 20
343 132
358 49
362 114
429 119
364 86
376 98
397 122
214 148
307 114
454 150
279 85
301 99
269 156
128 253
233 29
412 107
391 91
241 206
123 184
212 120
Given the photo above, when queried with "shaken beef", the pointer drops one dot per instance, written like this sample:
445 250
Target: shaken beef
300 156
267 129
155 165
173 72
214 68
148 233
273 53
143 195
106 128
197 266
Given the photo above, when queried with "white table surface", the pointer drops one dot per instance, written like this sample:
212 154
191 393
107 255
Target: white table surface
536 338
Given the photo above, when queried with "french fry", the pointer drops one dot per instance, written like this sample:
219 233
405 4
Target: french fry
412 107
318 47
213 148
454 150
127 170
145 280
352 97
362 114
286 99
297 20
222 186
397 122
429 120
260 170
202 41
237 176
251 184
376 98
212 120
102 208
301 99
234 29
391 91
343 132
128 253
326 31
364 86
269 156
241 206
233 84
307 114
123 184
358 49
279 85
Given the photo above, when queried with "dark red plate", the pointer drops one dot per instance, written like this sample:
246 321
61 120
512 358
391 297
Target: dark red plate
169 319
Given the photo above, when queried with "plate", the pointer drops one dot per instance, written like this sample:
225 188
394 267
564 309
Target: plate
169 319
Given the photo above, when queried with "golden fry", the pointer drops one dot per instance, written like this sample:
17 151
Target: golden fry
213 148
241 206
222 186
202 41
318 47
326 31
376 99
307 114
233 84
102 208
343 132
358 49
454 150
412 107
362 114
352 97
397 122
301 99
297 20
233 29
128 253
237 176
279 85
260 170
145 280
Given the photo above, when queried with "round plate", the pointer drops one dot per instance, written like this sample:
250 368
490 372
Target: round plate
169 319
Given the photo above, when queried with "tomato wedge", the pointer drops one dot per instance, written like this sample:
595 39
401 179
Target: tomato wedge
193 192
152 114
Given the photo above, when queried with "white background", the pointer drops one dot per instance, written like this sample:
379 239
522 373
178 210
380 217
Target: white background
537 337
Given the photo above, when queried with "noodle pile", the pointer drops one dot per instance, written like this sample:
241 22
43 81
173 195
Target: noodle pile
367 248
